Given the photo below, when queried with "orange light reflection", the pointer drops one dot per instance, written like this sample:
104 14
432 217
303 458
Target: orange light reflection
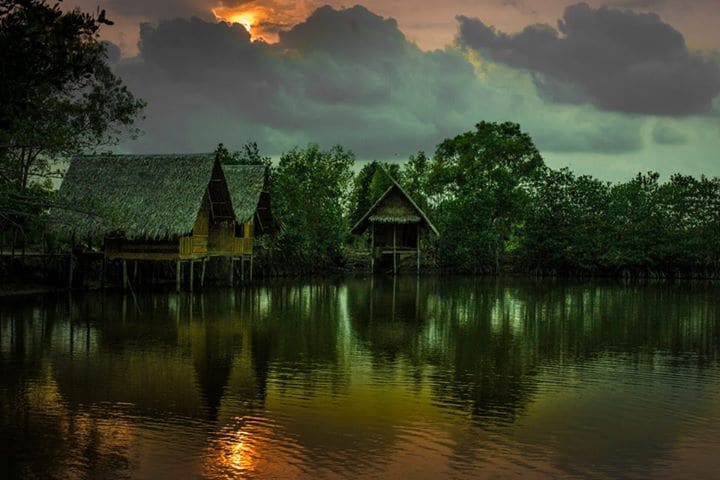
250 18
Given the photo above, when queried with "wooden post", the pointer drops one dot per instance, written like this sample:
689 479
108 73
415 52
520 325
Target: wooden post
70 269
70 262
394 249
417 247
202 273
192 274
242 270
103 272
372 247
394 280
125 275
177 276
251 267
232 271
135 272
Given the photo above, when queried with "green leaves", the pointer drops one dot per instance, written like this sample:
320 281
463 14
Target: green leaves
58 94
480 181
310 197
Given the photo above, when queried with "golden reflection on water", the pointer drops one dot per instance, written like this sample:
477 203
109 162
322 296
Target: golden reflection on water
377 379
233 453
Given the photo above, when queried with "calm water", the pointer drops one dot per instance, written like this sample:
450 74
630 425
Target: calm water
441 378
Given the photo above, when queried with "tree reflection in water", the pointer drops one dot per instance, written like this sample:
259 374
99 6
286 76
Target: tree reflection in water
382 376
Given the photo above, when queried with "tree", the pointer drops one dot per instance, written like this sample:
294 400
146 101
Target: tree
369 184
479 181
415 178
248 155
310 197
566 224
58 94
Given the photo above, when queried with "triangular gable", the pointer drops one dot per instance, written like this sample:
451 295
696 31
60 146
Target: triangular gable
361 225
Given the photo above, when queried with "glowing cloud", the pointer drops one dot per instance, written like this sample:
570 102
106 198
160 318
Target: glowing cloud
248 18
263 19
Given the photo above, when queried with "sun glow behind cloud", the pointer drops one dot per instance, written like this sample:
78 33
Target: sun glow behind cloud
263 19
249 18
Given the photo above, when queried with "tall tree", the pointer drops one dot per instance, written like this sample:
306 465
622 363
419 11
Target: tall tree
480 181
58 94
310 190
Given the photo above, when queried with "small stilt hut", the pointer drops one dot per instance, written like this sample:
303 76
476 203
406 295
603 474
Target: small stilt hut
152 207
251 201
396 224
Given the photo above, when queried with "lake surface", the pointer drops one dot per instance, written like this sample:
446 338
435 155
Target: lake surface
365 378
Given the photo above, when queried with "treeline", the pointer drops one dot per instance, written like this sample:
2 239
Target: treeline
498 207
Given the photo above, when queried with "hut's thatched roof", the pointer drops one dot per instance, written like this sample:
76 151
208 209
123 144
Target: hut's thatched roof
140 196
246 183
394 206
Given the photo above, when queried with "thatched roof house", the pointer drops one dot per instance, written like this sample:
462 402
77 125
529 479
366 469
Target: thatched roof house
395 223
181 208
137 196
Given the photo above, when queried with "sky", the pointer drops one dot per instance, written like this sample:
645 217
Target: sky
607 88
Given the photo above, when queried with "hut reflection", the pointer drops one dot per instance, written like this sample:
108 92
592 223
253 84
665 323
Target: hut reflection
388 315
321 374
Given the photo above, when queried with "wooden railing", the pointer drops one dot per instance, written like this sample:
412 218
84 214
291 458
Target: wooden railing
243 246
193 246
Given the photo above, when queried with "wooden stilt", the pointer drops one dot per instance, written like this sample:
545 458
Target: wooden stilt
177 276
232 271
372 247
125 275
251 268
135 272
394 249
417 247
202 273
192 274
393 296
103 272
70 270
242 270
70 258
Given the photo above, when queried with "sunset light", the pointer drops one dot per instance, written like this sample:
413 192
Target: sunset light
249 19
300 239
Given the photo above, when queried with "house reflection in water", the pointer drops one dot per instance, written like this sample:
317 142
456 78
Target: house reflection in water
376 376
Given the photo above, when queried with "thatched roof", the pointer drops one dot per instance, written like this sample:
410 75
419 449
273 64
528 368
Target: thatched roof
140 196
246 183
394 206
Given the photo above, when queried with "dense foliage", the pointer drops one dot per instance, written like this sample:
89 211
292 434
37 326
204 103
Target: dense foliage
309 189
497 207
249 154
368 186
577 223
59 97
479 182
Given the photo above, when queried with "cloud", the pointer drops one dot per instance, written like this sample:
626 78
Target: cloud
157 9
664 133
617 60
346 77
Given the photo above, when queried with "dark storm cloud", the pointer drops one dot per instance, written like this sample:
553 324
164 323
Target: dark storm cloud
616 59
364 35
343 76
158 8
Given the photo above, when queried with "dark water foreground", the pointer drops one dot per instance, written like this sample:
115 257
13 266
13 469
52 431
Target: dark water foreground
441 378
